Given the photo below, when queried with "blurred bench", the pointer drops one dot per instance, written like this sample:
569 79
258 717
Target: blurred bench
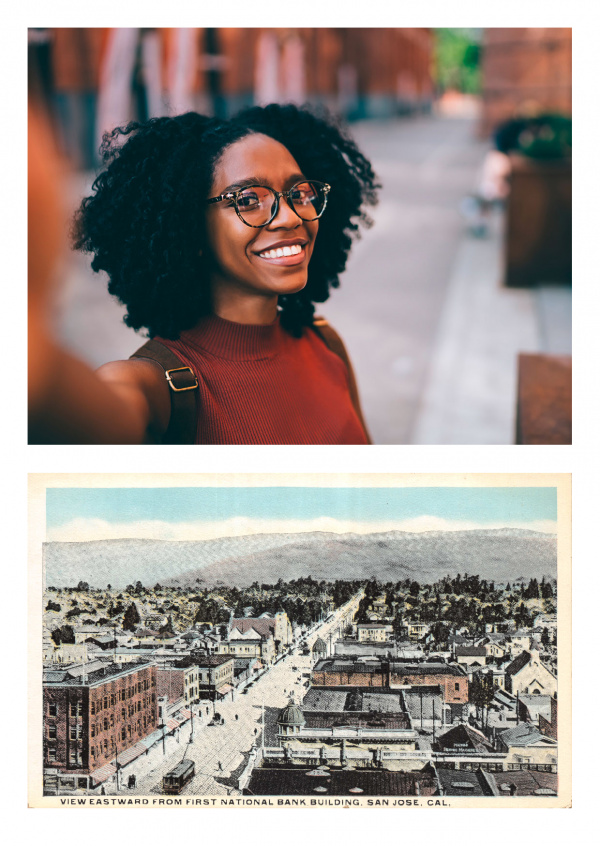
544 399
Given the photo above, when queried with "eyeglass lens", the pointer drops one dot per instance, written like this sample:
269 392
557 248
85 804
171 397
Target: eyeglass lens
257 203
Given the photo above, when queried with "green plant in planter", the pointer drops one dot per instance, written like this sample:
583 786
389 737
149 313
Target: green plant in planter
546 137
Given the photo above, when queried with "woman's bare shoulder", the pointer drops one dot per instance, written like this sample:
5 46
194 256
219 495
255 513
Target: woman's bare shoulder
142 382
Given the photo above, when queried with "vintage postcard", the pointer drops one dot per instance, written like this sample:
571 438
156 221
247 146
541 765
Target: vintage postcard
300 640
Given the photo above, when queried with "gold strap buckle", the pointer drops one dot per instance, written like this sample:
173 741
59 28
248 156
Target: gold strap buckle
177 370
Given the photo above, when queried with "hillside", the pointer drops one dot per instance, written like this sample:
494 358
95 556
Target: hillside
499 554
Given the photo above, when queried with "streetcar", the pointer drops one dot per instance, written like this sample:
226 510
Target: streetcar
176 780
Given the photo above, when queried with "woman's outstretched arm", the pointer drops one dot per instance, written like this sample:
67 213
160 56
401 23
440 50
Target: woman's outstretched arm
124 402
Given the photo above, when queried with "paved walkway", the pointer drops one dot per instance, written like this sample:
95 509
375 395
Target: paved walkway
469 395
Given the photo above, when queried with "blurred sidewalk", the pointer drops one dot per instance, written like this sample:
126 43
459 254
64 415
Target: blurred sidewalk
469 396
432 333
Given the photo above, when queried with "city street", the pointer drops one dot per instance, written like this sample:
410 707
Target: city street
220 752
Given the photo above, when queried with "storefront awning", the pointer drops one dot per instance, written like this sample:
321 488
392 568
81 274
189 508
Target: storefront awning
103 773
223 691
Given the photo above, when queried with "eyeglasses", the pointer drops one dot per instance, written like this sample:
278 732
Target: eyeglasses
257 205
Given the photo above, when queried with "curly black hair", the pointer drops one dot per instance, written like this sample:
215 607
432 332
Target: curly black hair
145 221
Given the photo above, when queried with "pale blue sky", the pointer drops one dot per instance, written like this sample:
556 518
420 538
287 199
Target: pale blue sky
179 505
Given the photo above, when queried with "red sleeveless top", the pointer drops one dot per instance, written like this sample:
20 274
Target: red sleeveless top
260 385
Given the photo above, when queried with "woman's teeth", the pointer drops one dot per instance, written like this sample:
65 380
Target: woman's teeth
282 251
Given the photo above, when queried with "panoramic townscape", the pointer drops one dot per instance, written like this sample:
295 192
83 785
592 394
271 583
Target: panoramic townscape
302 687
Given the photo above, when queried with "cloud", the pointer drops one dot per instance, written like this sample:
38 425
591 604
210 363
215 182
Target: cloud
81 529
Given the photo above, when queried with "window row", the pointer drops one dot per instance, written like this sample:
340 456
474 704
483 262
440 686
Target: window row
121 695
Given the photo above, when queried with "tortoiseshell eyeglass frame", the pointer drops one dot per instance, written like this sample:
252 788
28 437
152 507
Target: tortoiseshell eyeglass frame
234 195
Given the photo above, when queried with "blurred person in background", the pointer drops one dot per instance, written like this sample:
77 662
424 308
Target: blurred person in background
530 131
219 237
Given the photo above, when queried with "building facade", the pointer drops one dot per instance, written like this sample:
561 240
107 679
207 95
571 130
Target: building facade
348 672
93 713
374 632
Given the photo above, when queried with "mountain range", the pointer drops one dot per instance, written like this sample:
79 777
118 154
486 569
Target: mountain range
497 554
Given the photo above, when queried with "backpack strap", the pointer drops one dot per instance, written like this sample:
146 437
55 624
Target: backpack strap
333 341
182 381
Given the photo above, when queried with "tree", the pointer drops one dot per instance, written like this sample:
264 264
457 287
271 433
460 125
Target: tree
441 632
398 625
457 58
109 586
481 692
83 586
52 606
64 634
167 629
522 616
131 618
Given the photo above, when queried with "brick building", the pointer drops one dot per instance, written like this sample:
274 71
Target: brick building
524 68
170 682
346 672
92 713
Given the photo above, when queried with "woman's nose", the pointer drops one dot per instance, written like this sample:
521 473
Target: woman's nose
285 216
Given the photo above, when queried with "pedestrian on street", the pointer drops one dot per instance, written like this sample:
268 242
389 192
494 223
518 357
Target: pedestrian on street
219 236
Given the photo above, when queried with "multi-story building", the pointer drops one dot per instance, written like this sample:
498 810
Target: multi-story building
527 674
206 677
249 646
528 749
524 67
275 625
374 632
359 717
417 630
193 678
348 672
171 681
471 656
92 713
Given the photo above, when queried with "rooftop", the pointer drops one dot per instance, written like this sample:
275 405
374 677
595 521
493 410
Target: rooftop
463 738
351 665
465 783
279 781
525 734
90 674
526 783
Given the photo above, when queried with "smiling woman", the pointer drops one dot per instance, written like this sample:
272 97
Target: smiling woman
219 237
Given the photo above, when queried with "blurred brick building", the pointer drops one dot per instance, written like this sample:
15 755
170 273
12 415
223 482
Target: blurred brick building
96 79
524 71
357 72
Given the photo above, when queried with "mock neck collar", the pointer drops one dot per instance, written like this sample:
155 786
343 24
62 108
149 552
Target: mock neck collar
235 341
